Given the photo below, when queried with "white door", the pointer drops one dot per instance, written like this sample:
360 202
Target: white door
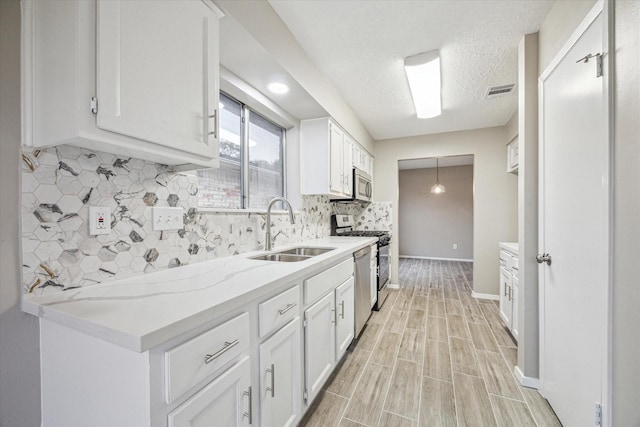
280 393
574 229
345 316
224 402
319 344
336 178
157 67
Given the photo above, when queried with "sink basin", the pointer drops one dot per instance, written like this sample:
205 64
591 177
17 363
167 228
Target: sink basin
305 251
281 257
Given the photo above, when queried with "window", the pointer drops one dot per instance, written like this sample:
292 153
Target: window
251 170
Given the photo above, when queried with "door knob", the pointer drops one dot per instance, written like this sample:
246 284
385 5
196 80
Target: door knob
540 258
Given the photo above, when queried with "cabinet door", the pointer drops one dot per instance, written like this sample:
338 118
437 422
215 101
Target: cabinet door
319 344
356 156
505 299
374 282
226 401
280 385
345 316
336 168
157 72
347 168
514 304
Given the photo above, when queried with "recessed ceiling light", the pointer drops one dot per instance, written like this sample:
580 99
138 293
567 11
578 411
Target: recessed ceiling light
278 88
423 74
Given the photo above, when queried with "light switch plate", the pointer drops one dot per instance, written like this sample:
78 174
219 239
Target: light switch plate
99 220
168 219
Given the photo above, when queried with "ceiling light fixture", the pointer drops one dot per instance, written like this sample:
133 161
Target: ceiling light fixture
423 74
437 188
278 88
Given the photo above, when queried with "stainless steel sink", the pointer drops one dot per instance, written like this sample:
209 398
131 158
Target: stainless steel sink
307 251
281 257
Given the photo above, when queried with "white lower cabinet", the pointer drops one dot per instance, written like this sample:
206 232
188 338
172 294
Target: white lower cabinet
345 316
243 368
509 290
329 330
226 401
319 344
506 307
280 382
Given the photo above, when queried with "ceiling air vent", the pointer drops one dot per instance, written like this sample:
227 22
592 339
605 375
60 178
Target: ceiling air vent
496 91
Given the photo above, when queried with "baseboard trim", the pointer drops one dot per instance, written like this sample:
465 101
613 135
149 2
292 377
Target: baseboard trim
526 381
437 258
393 286
485 296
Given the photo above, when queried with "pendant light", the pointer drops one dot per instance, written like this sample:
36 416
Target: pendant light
437 188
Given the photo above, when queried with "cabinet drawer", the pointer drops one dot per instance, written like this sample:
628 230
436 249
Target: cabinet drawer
320 284
278 310
513 266
191 362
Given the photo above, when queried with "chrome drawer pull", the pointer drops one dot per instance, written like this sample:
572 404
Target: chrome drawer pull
250 413
272 389
227 346
287 308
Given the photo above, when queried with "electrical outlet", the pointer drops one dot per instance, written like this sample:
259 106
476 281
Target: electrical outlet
99 220
455 246
168 219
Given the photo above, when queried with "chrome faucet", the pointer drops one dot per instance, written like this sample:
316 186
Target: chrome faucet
267 240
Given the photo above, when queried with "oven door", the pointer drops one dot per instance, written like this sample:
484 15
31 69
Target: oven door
383 275
362 189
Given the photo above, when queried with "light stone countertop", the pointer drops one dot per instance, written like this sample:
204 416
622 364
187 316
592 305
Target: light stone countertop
509 246
144 311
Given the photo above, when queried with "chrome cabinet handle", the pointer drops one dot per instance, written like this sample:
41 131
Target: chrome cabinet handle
287 308
250 413
214 116
342 309
208 358
272 389
540 258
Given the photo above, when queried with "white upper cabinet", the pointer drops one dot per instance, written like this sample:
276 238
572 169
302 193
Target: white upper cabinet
326 158
133 78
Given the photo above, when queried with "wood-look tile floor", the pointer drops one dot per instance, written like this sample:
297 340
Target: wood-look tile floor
433 356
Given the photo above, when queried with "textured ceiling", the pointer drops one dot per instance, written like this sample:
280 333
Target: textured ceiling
360 47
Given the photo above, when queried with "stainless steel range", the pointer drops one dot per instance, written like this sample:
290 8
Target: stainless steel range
343 225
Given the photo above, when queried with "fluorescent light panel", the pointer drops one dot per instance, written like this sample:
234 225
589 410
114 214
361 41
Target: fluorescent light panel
423 74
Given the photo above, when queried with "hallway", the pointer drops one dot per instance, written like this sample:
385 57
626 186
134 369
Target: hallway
433 356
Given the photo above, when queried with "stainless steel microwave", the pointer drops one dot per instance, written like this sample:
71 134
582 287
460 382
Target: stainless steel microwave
362 188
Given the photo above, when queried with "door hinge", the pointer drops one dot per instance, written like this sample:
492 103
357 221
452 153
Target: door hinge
598 414
304 322
306 396
94 105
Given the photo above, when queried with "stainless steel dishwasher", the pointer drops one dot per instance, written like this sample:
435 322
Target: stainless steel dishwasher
362 288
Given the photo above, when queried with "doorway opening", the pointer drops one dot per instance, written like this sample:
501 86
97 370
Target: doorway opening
432 224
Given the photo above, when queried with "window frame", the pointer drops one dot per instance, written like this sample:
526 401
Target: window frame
245 195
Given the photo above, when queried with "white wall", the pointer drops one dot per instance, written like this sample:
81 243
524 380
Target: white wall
495 191
559 24
19 333
431 223
626 206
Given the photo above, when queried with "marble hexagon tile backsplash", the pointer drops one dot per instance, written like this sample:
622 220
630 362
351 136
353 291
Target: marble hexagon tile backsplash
60 183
